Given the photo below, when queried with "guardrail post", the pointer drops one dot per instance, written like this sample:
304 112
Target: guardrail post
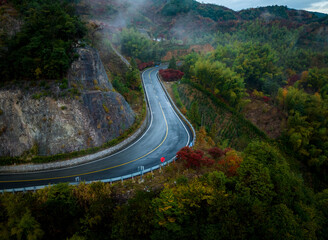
141 169
77 179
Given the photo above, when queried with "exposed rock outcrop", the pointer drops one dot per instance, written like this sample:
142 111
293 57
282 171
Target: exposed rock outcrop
88 71
64 124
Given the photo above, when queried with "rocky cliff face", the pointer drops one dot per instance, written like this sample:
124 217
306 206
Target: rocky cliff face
88 71
68 123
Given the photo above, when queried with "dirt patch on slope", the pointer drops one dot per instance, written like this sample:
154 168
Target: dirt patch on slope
182 52
266 117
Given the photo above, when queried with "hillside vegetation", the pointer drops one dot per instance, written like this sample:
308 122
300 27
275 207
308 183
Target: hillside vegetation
293 78
239 181
189 21
217 194
56 98
43 47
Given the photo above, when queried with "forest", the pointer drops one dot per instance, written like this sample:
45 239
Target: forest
43 46
213 194
272 65
237 182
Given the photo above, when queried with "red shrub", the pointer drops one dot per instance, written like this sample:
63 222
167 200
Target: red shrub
142 66
265 99
206 161
194 158
170 75
216 152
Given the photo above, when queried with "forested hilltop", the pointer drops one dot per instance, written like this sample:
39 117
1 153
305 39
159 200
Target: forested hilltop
57 100
253 83
37 39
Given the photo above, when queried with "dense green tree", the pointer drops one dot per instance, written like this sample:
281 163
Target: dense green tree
221 80
172 63
174 7
282 223
256 63
188 63
226 53
134 64
137 215
255 183
317 79
21 224
136 45
133 80
285 184
44 46
96 203
322 205
57 203
307 125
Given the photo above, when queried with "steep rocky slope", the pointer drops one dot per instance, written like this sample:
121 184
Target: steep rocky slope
57 125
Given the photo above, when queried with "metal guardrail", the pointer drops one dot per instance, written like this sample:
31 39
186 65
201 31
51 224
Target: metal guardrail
129 176
77 180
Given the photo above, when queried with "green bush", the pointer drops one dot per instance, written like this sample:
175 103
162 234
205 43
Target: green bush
64 84
37 96
177 96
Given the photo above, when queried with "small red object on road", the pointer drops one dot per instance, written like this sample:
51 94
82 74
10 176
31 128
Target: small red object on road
162 159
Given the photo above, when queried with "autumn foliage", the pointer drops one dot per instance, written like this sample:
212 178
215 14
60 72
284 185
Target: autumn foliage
194 158
142 66
230 163
265 99
170 75
216 152
227 161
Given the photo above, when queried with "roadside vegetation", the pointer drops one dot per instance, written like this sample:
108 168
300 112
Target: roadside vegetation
36 57
207 194
262 68
240 180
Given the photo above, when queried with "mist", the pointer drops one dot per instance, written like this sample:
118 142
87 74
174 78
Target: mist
309 5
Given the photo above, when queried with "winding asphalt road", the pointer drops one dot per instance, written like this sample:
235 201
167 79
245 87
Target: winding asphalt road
165 135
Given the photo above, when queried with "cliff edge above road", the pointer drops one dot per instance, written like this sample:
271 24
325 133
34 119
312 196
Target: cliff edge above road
59 117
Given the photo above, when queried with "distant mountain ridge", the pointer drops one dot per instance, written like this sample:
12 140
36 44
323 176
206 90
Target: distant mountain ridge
182 19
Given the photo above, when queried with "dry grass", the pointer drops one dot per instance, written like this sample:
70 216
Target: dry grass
266 117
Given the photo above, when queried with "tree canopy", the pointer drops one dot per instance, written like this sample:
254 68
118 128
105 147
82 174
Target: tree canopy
43 48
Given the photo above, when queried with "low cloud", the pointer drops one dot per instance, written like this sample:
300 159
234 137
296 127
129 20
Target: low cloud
319 7
310 5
